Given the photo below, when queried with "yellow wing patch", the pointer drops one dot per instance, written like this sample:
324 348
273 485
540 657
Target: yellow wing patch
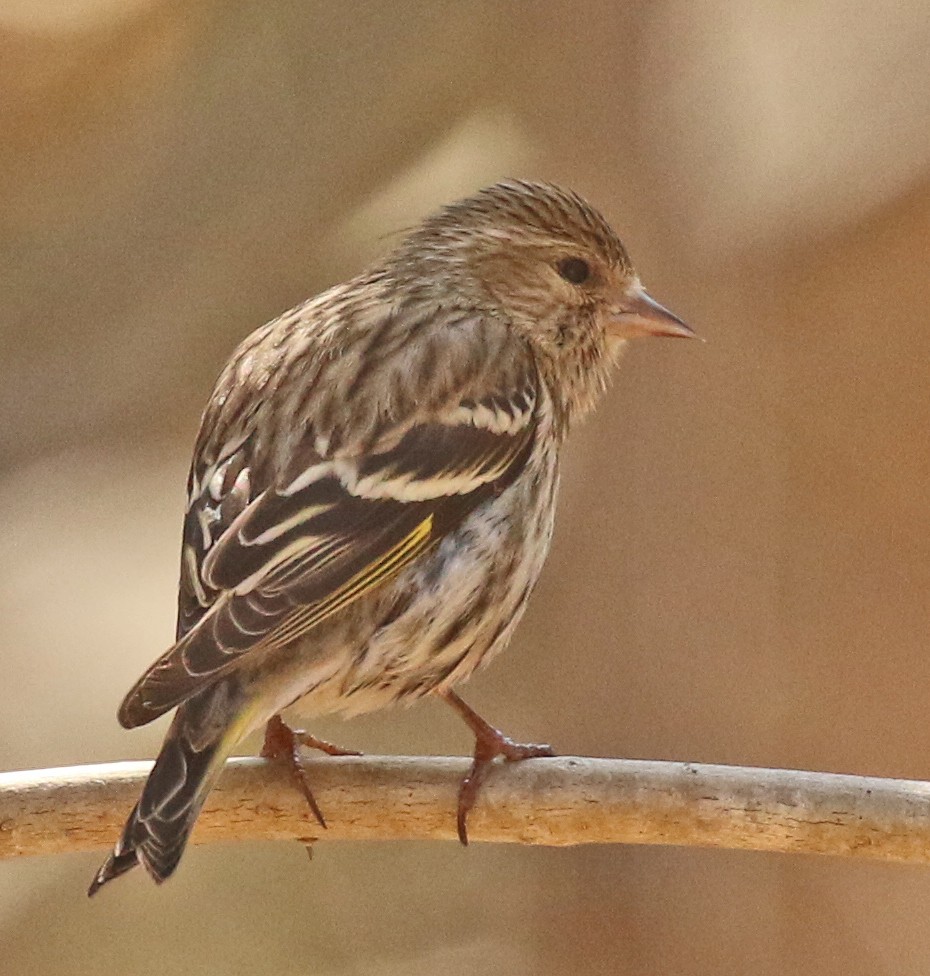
378 571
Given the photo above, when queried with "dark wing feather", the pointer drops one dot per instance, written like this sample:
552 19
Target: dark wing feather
213 507
324 535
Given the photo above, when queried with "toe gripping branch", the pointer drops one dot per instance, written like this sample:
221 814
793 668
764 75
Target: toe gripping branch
489 744
283 743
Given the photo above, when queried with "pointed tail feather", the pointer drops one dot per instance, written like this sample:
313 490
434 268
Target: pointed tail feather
204 732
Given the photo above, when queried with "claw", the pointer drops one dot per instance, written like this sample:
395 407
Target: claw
312 742
283 743
489 744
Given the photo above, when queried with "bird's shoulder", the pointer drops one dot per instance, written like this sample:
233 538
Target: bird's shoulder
353 364
361 392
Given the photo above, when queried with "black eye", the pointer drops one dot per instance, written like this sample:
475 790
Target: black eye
574 270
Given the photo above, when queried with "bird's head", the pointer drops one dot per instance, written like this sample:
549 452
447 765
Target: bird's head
545 260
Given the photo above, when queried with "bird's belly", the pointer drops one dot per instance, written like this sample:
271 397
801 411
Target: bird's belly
443 617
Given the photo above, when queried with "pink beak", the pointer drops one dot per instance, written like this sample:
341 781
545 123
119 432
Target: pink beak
639 315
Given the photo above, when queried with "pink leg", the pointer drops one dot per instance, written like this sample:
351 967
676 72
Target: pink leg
489 744
283 743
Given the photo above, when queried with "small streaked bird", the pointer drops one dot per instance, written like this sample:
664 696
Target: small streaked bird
372 492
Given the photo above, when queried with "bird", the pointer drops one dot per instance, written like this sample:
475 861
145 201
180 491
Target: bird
372 492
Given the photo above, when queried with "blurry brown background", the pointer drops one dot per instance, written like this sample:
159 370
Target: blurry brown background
742 566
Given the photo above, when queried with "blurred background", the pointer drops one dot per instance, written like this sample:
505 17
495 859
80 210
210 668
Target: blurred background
742 564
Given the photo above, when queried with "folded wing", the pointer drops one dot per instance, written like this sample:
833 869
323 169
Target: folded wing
262 568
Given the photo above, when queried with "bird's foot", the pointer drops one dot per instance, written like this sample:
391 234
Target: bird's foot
489 744
312 742
283 743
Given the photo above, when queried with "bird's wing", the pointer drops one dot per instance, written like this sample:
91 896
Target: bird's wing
260 569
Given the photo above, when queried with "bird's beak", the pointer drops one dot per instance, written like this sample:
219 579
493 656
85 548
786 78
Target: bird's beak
639 315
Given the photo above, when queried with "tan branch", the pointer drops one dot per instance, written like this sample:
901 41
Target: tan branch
544 801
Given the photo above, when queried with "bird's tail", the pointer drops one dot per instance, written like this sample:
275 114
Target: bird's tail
205 730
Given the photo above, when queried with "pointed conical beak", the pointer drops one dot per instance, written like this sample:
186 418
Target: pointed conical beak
639 315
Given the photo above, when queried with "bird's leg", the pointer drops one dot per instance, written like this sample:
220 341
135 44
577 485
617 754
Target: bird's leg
283 743
489 744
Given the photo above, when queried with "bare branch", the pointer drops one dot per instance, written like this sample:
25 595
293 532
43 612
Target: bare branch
544 801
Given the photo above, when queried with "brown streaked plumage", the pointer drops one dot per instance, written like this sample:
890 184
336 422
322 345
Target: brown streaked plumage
373 489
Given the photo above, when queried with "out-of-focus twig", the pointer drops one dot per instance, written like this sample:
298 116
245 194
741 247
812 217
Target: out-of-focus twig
553 802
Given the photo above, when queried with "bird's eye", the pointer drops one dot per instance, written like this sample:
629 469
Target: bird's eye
574 270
